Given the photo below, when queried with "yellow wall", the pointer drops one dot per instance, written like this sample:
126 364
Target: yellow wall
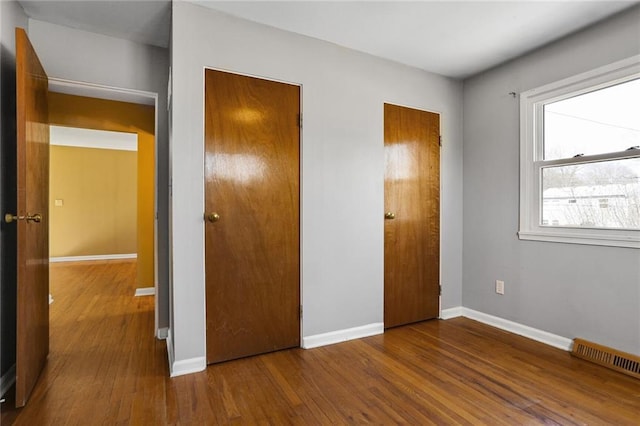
100 114
98 189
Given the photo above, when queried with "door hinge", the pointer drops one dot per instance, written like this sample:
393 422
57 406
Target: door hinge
440 140
440 289
300 120
301 311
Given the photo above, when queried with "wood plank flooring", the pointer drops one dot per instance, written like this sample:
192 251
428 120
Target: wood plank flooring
105 368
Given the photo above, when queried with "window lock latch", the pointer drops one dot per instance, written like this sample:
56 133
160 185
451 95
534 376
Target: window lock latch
631 148
578 155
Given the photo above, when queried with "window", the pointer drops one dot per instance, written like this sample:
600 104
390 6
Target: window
580 158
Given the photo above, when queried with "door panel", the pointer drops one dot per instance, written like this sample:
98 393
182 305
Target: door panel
252 140
32 340
412 195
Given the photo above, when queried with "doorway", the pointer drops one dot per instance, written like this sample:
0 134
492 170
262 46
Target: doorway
252 219
118 119
412 215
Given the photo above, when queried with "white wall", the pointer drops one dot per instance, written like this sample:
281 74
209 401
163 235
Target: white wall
342 167
82 56
570 290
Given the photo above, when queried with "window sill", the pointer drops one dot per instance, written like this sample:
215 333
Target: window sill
584 237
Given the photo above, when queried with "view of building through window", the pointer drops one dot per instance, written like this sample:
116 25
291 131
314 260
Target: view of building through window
603 193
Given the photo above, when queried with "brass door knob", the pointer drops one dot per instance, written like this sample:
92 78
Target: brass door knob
29 217
12 217
389 215
212 217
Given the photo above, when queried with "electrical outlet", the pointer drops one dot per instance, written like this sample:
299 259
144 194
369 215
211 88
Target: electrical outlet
499 287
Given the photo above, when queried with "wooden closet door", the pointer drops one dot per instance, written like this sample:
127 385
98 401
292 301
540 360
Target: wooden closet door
252 231
412 215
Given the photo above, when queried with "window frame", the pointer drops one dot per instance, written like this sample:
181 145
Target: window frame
532 156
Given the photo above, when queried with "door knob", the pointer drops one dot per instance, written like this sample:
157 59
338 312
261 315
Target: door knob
29 217
212 217
12 218
389 215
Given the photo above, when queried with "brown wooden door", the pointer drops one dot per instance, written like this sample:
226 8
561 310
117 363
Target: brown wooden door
252 140
412 229
32 334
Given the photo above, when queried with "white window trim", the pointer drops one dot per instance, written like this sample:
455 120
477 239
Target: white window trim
531 128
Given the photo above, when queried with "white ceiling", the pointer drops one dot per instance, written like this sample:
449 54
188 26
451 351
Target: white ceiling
146 21
453 38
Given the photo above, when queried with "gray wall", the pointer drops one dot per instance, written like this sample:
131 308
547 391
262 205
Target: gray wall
11 16
567 289
87 57
342 166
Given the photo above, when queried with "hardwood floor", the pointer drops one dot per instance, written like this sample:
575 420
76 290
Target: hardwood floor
105 367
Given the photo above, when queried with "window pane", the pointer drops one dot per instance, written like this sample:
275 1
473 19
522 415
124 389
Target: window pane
593 195
606 120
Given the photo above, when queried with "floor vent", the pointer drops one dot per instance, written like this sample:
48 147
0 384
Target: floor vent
610 358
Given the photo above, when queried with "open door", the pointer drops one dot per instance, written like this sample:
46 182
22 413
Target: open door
32 339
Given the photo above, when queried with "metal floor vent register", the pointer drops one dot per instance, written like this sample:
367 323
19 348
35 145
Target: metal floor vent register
610 358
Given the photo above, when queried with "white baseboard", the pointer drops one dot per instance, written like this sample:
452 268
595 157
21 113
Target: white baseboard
342 335
449 313
186 366
145 291
194 365
7 380
93 257
162 333
523 330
